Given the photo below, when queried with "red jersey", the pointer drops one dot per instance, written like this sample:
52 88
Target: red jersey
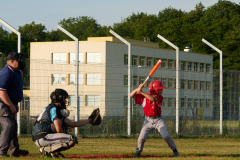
151 109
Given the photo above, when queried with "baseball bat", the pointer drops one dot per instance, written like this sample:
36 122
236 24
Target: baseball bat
153 70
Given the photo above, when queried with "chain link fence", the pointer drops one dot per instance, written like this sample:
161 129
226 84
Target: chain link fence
191 123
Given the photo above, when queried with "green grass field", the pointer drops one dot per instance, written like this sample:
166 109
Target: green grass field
198 148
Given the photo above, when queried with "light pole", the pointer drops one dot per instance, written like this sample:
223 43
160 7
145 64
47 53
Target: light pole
76 73
19 51
177 79
221 81
129 78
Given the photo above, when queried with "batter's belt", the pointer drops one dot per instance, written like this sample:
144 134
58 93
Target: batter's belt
154 117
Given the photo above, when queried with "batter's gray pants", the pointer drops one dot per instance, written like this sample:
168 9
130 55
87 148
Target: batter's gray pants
148 126
8 138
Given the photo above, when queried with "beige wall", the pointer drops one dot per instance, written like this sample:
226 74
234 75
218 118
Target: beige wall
42 69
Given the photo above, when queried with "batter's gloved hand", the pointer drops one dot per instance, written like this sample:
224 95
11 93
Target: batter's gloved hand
95 117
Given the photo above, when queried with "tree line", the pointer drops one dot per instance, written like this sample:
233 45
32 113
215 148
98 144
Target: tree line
219 24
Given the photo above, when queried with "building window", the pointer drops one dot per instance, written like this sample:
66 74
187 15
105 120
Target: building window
183 102
149 62
142 61
141 79
93 79
207 68
93 57
132 101
134 60
125 101
72 79
195 103
73 101
202 85
163 103
59 79
156 78
149 81
164 63
125 80
208 103
183 63
72 58
170 64
189 84
195 66
134 80
195 85
208 87
183 83
125 59
189 103
93 100
170 83
170 102
201 67
59 58
164 81
189 66
201 103
156 60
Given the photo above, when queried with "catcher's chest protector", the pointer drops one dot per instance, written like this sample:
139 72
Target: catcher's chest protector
43 122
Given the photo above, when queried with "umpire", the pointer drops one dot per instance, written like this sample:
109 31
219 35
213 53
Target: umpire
11 92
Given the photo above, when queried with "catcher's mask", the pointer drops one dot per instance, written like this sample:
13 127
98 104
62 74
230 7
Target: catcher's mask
154 86
18 57
59 95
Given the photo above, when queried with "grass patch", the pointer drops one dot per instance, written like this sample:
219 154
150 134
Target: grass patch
189 148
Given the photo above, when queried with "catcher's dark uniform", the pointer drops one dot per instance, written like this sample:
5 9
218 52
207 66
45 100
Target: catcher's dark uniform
44 133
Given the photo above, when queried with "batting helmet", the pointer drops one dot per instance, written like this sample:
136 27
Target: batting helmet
59 95
155 85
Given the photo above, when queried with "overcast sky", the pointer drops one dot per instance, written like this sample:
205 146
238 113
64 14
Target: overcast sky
106 12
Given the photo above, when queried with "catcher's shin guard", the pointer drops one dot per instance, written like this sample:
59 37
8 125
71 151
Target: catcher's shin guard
62 146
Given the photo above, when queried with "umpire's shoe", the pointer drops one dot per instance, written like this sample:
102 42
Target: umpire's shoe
138 155
20 153
175 153
4 155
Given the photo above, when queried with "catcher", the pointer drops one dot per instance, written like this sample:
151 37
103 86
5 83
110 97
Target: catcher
50 131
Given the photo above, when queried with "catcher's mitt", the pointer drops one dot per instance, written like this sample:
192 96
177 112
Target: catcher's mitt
95 117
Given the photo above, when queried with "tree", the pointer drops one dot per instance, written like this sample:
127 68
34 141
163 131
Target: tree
31 33
80 27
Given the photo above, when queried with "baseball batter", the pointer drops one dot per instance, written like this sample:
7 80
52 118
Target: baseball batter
151 103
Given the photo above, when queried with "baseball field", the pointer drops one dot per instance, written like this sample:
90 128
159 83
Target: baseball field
154 148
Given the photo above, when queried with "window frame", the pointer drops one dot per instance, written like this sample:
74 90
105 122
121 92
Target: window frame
60 76
94 100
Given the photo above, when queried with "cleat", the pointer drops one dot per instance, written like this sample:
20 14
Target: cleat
20 153
57 155
43 153
175 153
138 155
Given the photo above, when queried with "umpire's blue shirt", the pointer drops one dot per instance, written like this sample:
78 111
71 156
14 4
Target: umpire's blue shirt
11 82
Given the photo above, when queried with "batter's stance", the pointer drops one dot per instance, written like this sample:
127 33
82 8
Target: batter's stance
151 103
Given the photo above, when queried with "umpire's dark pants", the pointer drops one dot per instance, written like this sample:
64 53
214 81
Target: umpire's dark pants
8 137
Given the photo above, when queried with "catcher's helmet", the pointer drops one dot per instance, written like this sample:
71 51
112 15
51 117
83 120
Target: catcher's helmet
58 96
155 85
